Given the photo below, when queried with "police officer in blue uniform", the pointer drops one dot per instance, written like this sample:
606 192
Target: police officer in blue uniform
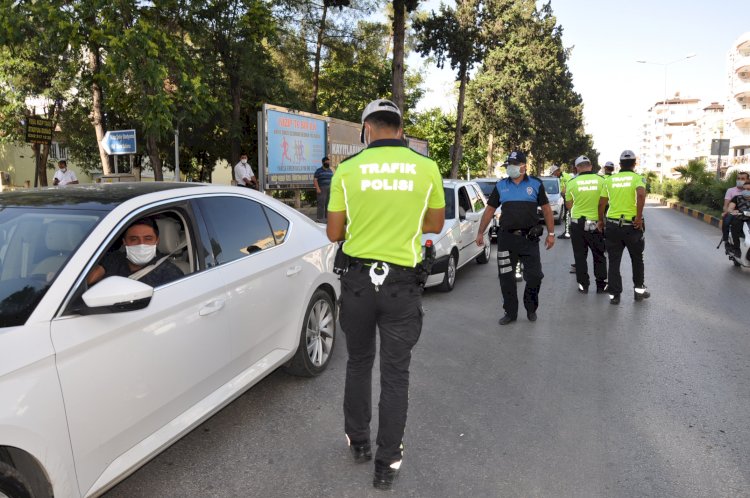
519 235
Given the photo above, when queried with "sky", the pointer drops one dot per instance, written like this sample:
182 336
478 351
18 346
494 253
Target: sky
608 37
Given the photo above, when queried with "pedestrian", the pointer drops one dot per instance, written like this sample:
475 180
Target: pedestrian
623 225
519 234
381 201
564 177
243 173
583 203
64 176
322 182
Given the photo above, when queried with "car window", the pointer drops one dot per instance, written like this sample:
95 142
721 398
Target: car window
279 224
551 185
36 245
487 187
477 199
464 202
237 227
450 203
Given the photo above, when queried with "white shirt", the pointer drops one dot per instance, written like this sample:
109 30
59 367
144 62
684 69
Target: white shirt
65 177
242 171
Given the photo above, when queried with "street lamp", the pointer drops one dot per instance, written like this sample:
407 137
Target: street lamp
664 123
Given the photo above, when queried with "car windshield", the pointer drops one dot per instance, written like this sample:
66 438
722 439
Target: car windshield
551 185
34 246
450 203
487 187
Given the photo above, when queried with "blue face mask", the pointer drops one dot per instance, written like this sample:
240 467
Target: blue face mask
746 193
740 183
514 171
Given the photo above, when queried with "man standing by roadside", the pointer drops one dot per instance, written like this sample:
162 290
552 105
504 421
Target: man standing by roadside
518 235
626 194
243 173
726 217
583 203
382 200
322 182
64 176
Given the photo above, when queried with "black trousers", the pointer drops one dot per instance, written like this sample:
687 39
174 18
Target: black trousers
737 225
617 239
583 241
510 249
395 310
322 200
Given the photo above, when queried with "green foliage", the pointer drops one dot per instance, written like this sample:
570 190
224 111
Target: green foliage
695 171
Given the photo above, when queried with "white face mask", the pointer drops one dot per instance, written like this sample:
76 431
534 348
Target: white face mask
514 171
243 161
140 254
740 183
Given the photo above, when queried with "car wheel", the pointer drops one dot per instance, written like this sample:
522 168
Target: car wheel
12 483
449 279
484 257
317 337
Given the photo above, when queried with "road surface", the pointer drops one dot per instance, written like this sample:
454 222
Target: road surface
640 399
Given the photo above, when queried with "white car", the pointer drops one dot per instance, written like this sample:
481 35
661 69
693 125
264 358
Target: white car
455 245
556 201
96 381
488 185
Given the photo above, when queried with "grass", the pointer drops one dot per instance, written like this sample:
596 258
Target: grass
695 207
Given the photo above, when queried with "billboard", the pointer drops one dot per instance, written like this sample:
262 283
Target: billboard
296 142
39 130
344 140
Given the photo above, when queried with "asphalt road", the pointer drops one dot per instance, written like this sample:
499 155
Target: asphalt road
640 399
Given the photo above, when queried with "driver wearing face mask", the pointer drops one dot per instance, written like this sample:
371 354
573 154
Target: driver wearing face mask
139 250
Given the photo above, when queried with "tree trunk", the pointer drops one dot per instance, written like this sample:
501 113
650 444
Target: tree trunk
318 49
97 111
397 70
235 127
136 171
491 155
457 147
153 154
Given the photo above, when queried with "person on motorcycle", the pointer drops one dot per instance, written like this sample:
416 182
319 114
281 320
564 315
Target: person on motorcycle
726 217
739 205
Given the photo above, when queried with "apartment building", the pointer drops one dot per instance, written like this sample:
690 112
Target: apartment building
738 102
669 135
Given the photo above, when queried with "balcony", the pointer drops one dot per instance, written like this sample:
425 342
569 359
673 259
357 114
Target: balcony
742 92
741 117
742 67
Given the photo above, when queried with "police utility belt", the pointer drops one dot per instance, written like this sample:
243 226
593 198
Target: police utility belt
586 225
379 270
533 233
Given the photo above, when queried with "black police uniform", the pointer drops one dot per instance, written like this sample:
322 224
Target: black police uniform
519 202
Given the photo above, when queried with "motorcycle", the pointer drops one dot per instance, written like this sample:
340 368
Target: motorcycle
739 251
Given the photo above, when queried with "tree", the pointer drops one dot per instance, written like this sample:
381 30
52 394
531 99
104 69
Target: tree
524 92
694 172
400 9
456 36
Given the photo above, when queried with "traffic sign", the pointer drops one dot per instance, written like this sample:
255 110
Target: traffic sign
120 142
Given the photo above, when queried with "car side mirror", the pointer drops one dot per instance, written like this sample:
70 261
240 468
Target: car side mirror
115 295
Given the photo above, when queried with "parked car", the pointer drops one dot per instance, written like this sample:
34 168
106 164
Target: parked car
96 380
455 245
488 185
556 201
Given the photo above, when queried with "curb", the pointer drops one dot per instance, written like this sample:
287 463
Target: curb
706 218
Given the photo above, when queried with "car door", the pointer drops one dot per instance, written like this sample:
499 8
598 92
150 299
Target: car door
133 380
478 205
265 277
468 223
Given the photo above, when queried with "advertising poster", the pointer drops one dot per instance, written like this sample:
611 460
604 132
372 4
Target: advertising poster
296 145
419 145
345 140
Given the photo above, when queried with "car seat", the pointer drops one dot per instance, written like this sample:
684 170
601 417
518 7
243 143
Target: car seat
171 237
60 238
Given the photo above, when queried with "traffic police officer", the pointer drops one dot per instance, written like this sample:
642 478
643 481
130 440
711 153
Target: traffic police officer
609 168
626 193
382 200
582 201
518 235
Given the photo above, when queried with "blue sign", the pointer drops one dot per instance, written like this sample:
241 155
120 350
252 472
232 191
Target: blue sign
121 142
296 145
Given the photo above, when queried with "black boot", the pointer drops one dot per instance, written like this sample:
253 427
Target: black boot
385 474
